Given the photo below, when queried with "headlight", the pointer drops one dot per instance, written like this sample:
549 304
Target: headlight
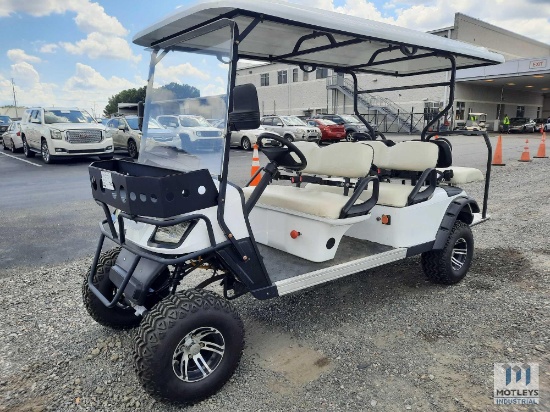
199 134
55 134
171 234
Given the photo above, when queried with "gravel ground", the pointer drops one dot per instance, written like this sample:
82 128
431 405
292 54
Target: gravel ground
383 340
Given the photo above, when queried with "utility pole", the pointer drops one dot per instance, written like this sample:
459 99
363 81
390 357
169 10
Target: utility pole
14 99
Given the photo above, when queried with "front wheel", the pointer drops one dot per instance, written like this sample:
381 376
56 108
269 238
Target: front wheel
188 346
118 317
245 143
349 136
4 145
289 137
46 155
450 265
132 149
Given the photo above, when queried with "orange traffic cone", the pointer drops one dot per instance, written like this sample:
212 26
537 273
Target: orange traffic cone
541 154
255 167
525 156
497 159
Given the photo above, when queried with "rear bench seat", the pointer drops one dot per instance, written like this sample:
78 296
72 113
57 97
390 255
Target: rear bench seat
343 160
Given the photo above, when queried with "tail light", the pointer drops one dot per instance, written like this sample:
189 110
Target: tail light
18 133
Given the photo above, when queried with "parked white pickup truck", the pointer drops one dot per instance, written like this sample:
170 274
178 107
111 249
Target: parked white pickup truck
63 132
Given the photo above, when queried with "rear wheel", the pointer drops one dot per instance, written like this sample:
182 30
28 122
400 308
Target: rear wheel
119 317
13 149
188 346
349 135
4 145
26 149
245 143
289 137
450 265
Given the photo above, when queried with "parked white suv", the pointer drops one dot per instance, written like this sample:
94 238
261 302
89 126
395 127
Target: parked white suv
63 132
291 128
194 132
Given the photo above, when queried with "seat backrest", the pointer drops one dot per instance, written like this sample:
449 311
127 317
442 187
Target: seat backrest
415 156
343 159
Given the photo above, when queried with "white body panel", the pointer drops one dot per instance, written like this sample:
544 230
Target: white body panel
272 226
410 226
140 233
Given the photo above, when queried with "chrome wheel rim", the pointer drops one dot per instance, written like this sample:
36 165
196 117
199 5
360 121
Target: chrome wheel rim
459 254
198 354
246 144
12 147
25 148
349 136
45 152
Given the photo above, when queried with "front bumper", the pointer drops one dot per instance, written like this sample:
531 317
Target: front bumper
63 148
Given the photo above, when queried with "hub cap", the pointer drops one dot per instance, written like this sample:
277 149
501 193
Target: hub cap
198 354
45 152
459 254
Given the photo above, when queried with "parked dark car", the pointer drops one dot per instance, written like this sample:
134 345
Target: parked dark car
5 122
521 125
330 131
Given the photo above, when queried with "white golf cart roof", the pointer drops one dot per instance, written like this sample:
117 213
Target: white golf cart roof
289 33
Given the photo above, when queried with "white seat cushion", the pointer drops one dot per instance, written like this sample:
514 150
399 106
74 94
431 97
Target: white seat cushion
324 204
463 175
410 155
390 194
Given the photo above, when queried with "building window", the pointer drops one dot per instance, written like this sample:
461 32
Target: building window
538 112
282 77
264 79
321 73
500 111
294 75
305 78
520 112
460 110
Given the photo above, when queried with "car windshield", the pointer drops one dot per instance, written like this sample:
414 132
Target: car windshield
194 121
186 98
349 118
5 119
540 120
292 121
66 116
518 120
133 122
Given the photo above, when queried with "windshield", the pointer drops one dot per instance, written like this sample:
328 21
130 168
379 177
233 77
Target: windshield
326 122
518 120
349 118
189 87
5 119
292 121
194 121
66 116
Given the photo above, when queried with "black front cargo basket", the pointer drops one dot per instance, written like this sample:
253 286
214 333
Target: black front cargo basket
151 191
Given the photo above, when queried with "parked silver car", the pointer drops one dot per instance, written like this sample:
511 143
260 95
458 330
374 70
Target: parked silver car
521 125
245 139
11 139
291 128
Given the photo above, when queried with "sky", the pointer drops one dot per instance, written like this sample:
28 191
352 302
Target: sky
80 52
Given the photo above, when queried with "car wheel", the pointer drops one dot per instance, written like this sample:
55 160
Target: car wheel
186 145
26 149
45 150
13 149
4 144
289 137
132 149
188 346
450 265
245 143
349 135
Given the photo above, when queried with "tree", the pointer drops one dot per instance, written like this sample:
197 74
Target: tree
171 91
125 96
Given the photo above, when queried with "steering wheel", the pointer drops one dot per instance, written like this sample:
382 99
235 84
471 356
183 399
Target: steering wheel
442 139
281 155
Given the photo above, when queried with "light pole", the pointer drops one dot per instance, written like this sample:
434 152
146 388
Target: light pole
14 98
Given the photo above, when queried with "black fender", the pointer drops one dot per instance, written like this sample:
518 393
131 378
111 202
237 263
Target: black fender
461 208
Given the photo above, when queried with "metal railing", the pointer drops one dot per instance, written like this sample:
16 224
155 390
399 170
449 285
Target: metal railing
394 117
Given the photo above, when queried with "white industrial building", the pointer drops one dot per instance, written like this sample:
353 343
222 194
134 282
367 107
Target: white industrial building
520 87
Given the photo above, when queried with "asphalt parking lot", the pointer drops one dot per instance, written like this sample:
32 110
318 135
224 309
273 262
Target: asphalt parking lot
385 340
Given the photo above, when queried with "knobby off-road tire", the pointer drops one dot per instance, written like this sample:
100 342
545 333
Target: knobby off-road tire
118 317
192 323
450 265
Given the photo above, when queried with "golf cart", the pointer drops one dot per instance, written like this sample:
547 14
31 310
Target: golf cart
477 122
318 213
